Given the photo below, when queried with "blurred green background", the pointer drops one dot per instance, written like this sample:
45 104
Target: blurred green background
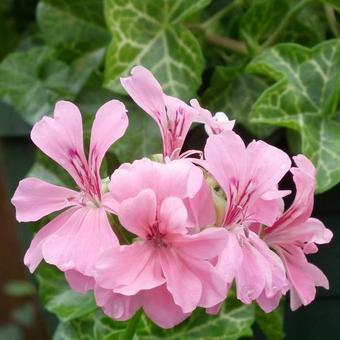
273 65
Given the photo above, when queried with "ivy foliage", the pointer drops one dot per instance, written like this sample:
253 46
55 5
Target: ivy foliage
273 65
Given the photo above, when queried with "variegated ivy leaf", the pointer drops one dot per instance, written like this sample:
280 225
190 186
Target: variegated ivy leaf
150 33
305 97
233 322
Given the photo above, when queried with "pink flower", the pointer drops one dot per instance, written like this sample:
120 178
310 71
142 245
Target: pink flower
213 124
295 234
249 178
72 240
166 265
173 116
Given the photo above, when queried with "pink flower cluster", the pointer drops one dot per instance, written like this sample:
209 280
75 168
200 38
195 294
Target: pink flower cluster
198 225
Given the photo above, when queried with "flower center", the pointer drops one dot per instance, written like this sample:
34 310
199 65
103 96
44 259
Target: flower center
156 237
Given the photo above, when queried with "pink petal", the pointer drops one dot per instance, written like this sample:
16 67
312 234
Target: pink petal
129 269
34 254
200 208
179 178
138 214
302 275
109 203
214 288
207 244
252 274
267 165
301 208
172 217
276 280
61 138
145 90
109 125
117 306
79 282
226 158
268 304
230 259
184 286
35 198
80 241
154 302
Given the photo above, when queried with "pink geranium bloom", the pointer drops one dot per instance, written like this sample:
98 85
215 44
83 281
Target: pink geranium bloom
249 177
295 234
72 240
213 124
166 265
173 116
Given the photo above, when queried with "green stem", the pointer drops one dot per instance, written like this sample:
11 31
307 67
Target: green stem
228 43
225 42
132 326
330 15
283 24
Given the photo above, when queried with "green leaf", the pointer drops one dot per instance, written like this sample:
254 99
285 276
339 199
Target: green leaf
333 3
150 33
260 20
306 25
305 97
233 322
59 299
142 138
234 93
271 324
33 81
95 326
73 27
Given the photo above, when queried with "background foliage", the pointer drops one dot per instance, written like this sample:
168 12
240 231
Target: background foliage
273 65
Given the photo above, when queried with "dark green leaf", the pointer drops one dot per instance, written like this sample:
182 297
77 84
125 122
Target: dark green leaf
74 27
59 299
305 97
33 81
306 25
271 324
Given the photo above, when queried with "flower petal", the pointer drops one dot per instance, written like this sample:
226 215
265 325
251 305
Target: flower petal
303 276
178 279
117 306
138 214
147 93
206 244
34 254
109 125
61 138
172 217
214 288
178 178
154 301
80 241
35 198
200 208
129 269
79 282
